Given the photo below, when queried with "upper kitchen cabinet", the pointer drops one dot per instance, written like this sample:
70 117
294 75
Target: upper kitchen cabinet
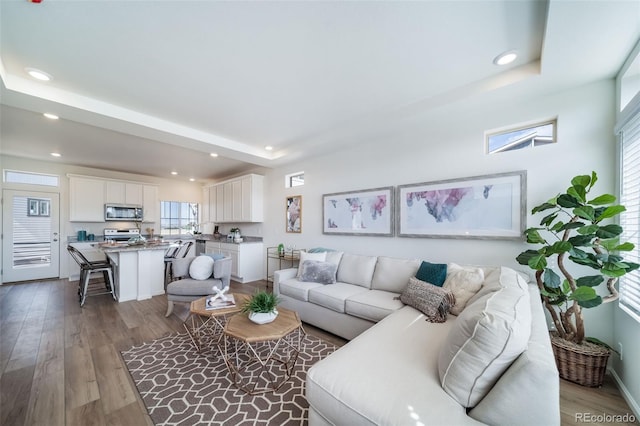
86 199
237 200
150 203
118 192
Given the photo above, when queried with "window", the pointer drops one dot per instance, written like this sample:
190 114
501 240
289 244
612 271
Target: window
521 137
294 179
177 217
630 219
29 178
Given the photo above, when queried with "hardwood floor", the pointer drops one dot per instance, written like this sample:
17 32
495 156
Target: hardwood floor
60 364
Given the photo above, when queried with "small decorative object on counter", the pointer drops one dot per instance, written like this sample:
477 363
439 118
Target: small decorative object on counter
281 250
262 307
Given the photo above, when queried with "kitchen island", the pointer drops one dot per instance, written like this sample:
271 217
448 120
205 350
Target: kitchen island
139 268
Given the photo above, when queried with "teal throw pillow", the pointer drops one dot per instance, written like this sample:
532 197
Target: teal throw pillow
433 273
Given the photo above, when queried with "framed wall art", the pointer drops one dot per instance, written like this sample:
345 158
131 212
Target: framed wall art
366 212
294 214
480 207
38 207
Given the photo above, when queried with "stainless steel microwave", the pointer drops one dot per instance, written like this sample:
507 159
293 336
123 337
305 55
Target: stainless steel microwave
122 212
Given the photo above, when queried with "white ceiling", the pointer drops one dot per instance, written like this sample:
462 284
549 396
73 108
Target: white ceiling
153 86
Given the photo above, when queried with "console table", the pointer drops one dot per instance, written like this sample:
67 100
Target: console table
289 258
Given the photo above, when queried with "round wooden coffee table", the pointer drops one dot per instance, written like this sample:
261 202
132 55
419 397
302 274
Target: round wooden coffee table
204 326
261 357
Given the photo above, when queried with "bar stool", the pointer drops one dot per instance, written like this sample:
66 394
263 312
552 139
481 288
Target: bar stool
86 268
169 256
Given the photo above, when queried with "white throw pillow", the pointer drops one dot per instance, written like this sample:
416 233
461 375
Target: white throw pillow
463 282
486 338
201 268
310 256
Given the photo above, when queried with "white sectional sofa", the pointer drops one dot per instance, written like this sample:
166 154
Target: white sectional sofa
492 364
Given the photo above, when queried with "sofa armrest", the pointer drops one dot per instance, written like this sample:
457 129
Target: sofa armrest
222 270
282 275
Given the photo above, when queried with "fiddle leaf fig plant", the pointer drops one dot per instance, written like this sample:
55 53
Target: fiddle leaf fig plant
573 230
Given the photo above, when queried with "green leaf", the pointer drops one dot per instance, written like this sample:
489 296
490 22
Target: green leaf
610 211
542 207
524 257
547 220
589 260
558 226
578 192
566 288
551 279
591 303
610 244
613 270
590 281
585 212
538 262
534 237
581 240
572 225
577 253
609 231
582 294
624 247
559 247
603 199
582 180
588 229
594 179
567 201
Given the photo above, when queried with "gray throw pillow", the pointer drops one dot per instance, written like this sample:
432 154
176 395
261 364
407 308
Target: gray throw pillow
316 271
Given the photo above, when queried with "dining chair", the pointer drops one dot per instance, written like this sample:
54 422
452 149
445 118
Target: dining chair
88 267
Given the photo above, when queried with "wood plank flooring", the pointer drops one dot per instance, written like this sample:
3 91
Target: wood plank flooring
60 364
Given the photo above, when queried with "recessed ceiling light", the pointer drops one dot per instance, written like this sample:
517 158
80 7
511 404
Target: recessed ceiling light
213 154
38 74
51 116
505 57
192 180
268 147
56 154
174 173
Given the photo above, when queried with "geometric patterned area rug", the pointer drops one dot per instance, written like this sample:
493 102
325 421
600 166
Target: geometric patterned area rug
181 387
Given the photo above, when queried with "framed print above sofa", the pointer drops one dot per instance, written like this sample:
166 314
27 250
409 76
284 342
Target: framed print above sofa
480 207
366 212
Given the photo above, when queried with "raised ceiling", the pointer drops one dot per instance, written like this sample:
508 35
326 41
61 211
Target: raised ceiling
172 81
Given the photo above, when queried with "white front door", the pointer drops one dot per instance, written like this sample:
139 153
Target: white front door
31 235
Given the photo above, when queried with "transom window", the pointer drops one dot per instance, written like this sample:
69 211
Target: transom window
30 178
294 179
521 137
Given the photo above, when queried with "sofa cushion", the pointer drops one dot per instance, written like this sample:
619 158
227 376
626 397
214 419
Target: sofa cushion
191 287
431 300
434 273
488 336
310 256
334 257
333 296
297 289
356 269
393 274
372 305
463 282
201 268
318 272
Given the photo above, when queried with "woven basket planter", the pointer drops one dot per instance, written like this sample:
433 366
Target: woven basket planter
582 364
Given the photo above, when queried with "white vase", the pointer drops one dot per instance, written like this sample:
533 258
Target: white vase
263 317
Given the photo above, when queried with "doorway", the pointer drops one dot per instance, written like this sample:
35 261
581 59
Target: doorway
31 235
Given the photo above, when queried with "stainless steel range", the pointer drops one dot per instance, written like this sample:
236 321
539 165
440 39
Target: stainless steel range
112 234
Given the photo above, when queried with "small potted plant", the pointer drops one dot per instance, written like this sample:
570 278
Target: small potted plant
262 307
574 230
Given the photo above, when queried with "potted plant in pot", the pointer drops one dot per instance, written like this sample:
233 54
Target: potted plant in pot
572 230
262 307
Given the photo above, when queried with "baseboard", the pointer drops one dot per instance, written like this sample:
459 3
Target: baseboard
625 393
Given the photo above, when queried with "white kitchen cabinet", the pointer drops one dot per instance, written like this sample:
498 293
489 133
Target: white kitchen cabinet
219 203
150 203
86 199
213 199
239 200
205 211
118 192
246 259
